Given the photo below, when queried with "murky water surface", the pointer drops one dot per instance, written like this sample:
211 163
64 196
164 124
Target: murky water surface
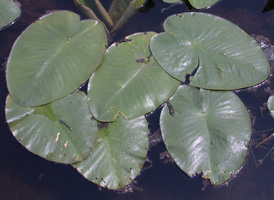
25 176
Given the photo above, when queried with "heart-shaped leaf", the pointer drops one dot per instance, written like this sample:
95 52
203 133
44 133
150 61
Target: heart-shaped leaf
61 131
53 57
129 81
219 54
9 11
206 132
119 154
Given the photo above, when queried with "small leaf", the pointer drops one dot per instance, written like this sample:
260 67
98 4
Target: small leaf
129 81
270 105
61 131
199 4
171 1
209 132
9 11
219 54
53 57
119 154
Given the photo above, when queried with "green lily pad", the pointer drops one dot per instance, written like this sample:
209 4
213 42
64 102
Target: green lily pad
53 57
171 1
129 81
209 132
119 154
198 4
40 130
225 56
9 11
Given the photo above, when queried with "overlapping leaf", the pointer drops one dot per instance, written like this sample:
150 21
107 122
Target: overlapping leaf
224 56
119 154
53 57
40 130
208 132
129 81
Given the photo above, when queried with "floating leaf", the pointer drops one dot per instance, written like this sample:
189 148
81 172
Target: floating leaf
53 57
9 11
171 1
40 130
208 131
129 81
198 4
119 154
224 56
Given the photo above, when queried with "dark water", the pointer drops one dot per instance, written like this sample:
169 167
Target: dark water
26 176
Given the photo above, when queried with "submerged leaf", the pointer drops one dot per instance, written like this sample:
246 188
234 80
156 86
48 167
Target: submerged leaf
61 131
122 10
209 132
270 105
93 9
53 57
219 54
9 11
129 81
119 154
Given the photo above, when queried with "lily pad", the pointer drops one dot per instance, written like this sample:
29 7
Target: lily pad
208 132
219 54
171 1
42 132
198 4
53 57
9 11
129 81
119 154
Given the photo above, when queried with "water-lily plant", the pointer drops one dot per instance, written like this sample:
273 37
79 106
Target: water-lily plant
104 134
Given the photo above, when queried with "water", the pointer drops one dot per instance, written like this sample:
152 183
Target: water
26 176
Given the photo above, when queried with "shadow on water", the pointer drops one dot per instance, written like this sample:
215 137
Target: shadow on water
26 176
